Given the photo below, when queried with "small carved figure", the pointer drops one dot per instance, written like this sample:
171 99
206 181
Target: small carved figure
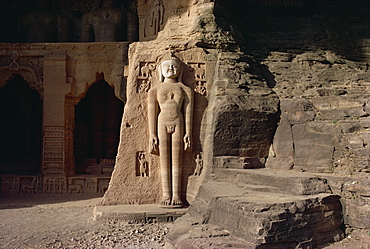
73 187
198 165
145 71
28 187
200 88
170 114
61 186
103 186
143 165
200 73
107 24
144 86
47 186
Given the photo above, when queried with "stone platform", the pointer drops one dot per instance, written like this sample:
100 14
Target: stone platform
264 208
148 213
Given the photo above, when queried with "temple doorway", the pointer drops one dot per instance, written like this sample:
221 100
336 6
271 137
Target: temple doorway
97 128
20 128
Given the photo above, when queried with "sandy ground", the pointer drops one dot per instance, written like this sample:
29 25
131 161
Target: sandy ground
65 221
43 221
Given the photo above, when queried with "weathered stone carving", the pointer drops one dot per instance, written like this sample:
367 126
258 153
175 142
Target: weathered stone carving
74 186
198 165
143 86
170 130
157 16
28 186
103 185
53 148
43 24
29 67
199 72
54 185
143 164
107 24
145 76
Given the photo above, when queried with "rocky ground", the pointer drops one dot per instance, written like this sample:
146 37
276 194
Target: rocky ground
65 221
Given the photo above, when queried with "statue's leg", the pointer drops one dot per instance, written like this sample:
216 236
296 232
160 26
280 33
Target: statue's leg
177 151
164 159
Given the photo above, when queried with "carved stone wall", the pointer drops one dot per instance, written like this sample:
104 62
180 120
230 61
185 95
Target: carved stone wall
61 20
163 18
128 185
61 73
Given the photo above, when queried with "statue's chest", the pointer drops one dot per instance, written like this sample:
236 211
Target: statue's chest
170 93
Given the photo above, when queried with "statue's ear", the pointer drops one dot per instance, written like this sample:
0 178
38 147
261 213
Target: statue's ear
160 75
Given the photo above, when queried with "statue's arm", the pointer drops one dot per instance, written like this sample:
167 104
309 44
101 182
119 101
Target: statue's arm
188 109
152 120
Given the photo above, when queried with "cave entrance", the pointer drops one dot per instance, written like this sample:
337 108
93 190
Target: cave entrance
97 128
20 128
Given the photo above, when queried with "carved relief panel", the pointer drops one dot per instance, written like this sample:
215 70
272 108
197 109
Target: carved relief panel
145 78
54 185
153 21
197 71
29 67
53 147
142 165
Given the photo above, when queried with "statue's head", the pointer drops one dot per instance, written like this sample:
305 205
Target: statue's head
170 68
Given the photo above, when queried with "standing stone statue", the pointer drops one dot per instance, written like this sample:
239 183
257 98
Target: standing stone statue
198 165
170 114
143 165
107 24
42 24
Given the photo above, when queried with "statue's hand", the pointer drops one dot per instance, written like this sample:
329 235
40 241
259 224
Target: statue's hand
153 144
187 142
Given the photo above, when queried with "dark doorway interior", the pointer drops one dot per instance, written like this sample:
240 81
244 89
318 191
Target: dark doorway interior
98 120
20 128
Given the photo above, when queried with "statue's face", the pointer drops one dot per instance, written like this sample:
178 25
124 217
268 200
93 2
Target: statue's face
170 68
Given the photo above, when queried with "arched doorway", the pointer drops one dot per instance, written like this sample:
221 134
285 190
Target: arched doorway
97 127
20 128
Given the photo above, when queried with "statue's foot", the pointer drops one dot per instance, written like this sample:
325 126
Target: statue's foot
176 202
166 201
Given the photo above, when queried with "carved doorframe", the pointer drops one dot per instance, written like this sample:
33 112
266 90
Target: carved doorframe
69 126
70 103
29 67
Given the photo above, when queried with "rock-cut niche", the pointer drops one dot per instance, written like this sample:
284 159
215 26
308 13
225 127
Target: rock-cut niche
97 126
20 128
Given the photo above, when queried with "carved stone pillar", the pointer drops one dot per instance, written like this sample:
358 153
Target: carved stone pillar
55 89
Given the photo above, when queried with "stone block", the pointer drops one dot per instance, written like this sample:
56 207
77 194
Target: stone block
282 155
313 151
268 219
338 108
298 110
349 126
291 182
149 213
227 162
366 137
244 125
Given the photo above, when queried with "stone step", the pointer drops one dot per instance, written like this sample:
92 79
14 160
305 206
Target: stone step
263 218
146 213
277 181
